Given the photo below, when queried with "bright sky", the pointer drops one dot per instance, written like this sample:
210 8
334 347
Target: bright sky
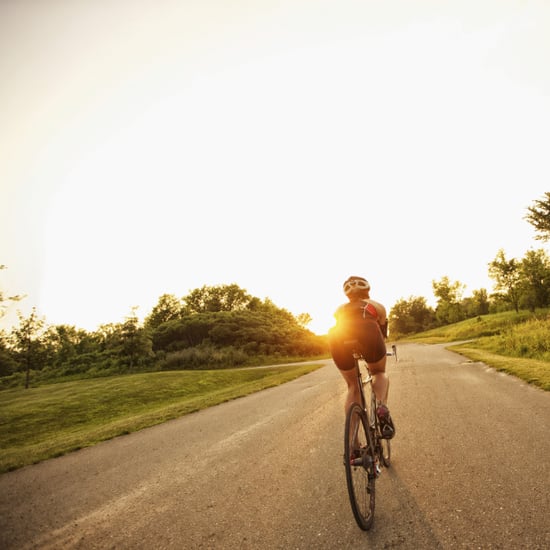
155 147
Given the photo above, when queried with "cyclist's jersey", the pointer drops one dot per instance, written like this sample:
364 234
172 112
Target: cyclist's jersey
358 311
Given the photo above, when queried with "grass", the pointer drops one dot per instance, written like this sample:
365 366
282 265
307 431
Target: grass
515 343
530 370
52 420
477 327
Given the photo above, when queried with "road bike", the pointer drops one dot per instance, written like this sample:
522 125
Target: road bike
365 450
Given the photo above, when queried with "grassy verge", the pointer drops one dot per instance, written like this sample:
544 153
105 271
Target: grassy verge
55 419
515 343
530 370
477 327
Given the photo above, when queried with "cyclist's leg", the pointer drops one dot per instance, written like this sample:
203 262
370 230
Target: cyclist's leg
381 386
380 380
354 395
344 360
374 352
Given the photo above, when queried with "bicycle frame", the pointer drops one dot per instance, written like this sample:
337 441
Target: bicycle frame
362 383
370 411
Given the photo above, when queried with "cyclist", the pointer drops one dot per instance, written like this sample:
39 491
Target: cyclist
365 321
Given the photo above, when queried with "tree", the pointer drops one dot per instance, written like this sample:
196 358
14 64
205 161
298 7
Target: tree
27 341
136 344
479 303
507 277
538 216
108 336
262 329
411 316
65 343
535 279
167 309
303 319
8 363
449 296
217 298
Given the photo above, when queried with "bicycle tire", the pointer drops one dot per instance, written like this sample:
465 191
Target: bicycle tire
385 452
360 471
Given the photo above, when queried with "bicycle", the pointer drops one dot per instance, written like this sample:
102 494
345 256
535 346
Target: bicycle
365 451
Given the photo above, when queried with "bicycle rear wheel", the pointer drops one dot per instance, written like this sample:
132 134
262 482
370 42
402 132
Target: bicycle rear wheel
360 466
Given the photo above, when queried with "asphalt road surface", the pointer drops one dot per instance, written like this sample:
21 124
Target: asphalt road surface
470 470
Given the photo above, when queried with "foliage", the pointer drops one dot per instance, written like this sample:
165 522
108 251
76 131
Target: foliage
448 295
530 339
213 327
538 216
410 316
136 346
266 331
8 363
507 277
167 309
204 357
27 343
303 319
217 298
414 315
535 280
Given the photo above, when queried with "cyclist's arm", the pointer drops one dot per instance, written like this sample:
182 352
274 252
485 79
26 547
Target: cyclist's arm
382 318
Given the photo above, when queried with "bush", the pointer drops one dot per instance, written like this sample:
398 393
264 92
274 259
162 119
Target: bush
531 339
204 357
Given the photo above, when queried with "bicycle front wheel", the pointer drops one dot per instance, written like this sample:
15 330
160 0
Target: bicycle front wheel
385 452
360 466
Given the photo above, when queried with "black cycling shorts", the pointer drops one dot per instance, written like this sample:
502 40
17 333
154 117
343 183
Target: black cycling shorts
370 341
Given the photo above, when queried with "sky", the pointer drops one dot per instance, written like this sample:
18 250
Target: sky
151 148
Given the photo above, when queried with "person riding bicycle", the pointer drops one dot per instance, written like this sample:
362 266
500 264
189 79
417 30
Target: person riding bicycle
365 321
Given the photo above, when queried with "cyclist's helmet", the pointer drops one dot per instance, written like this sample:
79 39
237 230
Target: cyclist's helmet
353 284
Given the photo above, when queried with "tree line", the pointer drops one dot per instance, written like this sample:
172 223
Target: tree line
212 327
518 284
224 326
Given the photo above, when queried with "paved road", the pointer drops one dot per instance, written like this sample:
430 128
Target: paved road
470 470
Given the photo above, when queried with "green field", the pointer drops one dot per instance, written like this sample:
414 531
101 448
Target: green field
55 419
